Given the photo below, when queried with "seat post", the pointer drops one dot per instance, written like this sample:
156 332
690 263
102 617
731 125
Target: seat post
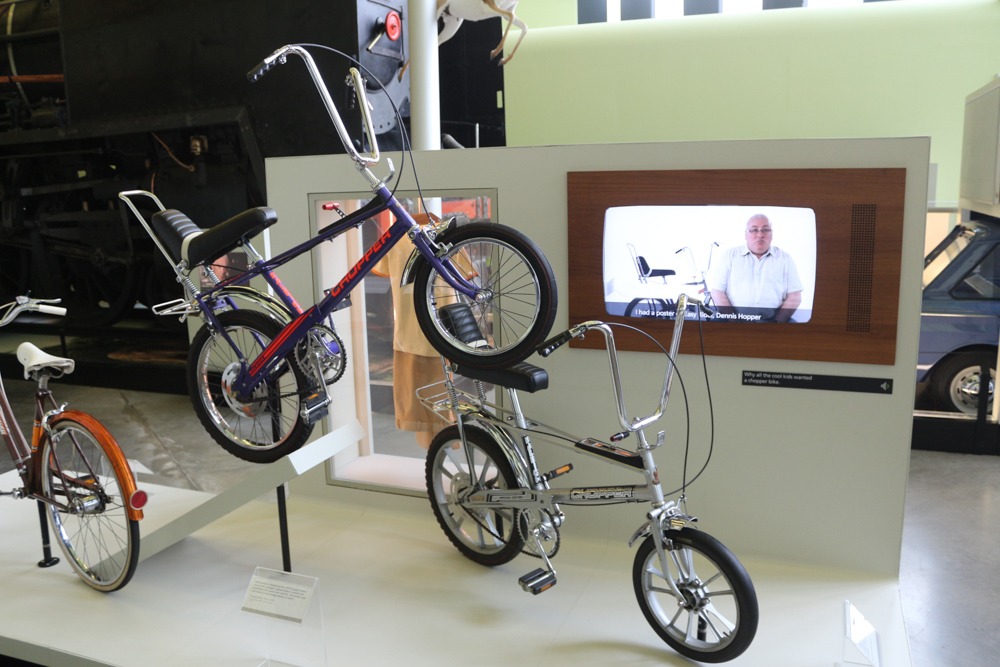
251 252
516 408
522 423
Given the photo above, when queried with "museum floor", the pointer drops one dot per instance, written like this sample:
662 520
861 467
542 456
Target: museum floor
949 568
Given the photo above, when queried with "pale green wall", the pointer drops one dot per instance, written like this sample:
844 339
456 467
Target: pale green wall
880 69
547 13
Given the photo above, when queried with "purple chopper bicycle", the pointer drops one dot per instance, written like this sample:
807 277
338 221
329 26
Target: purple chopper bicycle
259 368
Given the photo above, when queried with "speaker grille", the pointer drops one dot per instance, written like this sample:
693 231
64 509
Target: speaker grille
859 293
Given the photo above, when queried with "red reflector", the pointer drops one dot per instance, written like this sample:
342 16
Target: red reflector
393 25
330 205
138 499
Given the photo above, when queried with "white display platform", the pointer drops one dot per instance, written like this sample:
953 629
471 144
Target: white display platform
394 591
161 529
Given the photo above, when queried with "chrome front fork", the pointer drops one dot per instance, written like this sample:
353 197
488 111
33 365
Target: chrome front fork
665 516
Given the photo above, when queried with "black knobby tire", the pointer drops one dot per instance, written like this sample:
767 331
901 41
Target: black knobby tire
520 304
88 515
489 536
956 377
266 427
716 593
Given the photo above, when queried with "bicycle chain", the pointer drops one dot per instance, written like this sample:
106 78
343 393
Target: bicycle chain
517 519
555 548
308 391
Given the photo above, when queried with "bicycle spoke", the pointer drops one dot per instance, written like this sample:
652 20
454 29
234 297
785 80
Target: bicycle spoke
93 528
457 459
486 535
484 471
692 629
730 626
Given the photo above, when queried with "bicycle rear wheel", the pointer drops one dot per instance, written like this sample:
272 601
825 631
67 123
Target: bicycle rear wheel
486 536
89 518
517 305
267 425
715 617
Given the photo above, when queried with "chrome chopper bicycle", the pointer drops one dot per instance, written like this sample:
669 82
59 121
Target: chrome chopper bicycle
493 502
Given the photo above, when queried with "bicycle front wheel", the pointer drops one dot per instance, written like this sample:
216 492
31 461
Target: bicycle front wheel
487 536
260 428
715 617
87 504
516 306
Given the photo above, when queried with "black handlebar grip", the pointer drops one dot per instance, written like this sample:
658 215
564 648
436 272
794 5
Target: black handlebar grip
554 343
260 70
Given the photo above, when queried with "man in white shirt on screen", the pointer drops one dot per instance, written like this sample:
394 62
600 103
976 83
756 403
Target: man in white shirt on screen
756 281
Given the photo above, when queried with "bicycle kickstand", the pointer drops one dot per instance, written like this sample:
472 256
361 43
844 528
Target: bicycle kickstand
48 560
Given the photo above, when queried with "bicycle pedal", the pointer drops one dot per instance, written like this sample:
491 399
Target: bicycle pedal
315 407
537 581
561 470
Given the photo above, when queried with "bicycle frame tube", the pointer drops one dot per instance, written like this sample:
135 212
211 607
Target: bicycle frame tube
295 331
11 432
595 494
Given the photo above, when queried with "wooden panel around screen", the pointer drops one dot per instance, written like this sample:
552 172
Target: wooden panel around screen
836 195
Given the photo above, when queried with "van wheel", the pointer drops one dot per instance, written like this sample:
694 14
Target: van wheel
956 383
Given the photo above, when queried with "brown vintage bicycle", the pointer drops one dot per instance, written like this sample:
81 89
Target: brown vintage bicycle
75 470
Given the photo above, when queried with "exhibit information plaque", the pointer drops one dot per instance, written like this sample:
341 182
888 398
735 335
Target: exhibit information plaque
286 596
290 611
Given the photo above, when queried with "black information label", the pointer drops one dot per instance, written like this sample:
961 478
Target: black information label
810 381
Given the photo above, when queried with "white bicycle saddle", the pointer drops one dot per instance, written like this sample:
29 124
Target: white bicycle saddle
34 359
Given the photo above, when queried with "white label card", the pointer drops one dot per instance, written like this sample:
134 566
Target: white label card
863 636
281 597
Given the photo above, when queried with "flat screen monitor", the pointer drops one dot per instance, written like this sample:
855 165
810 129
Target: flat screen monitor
639 239
747 264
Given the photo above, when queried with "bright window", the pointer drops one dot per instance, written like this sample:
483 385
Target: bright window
668 9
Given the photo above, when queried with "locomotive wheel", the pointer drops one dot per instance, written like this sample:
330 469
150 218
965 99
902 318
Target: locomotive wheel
158 286
97 296
13 273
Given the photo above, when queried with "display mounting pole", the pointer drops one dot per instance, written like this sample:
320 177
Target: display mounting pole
286 554
425 86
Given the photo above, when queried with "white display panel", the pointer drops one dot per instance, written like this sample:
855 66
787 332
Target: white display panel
790 467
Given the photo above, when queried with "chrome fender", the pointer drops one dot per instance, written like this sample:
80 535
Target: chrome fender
270 305
645 530
670 518
415 259
509 448
410 270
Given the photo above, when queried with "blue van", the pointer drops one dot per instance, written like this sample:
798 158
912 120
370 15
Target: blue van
960 315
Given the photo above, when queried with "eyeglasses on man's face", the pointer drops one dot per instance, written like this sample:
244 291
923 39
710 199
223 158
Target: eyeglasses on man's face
754 231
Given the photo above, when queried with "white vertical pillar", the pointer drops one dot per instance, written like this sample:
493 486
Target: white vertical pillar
425 96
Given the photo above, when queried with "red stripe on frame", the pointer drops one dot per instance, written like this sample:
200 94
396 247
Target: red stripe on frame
277 342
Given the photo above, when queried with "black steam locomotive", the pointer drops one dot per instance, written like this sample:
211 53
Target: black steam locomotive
100 96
